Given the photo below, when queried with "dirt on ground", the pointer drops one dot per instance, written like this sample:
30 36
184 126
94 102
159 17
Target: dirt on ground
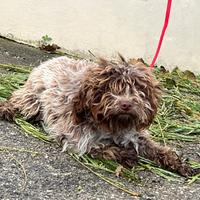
32 169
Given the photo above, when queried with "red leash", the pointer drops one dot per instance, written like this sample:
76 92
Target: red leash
162 33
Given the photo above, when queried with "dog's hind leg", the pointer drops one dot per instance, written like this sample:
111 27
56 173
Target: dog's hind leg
7 111
24 101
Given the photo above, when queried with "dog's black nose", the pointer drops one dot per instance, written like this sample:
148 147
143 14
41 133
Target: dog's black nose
125 105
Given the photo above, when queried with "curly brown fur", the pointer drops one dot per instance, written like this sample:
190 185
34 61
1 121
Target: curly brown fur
103 109
125 156
7 111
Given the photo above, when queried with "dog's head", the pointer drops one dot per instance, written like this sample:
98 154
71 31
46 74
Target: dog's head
117 96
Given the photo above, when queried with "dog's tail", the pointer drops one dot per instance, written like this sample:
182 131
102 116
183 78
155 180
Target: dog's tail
7 111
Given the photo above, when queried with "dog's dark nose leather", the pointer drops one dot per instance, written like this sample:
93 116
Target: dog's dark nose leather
125 105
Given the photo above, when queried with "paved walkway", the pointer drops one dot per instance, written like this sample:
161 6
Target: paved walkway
53 175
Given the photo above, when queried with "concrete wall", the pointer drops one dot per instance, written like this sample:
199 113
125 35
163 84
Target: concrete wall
105 27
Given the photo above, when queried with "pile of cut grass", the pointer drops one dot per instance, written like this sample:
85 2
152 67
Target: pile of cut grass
179 114
178 120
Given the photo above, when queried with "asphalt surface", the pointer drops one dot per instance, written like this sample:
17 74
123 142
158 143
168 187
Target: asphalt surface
32 169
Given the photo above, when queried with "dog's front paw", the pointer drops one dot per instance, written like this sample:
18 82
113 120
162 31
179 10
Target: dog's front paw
105 152
128 157
186 170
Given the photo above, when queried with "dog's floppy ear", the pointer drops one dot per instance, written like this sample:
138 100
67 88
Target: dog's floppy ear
78 110
81 100
150 87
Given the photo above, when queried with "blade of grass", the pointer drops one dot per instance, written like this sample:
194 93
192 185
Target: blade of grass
106 179
32 130
16 68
